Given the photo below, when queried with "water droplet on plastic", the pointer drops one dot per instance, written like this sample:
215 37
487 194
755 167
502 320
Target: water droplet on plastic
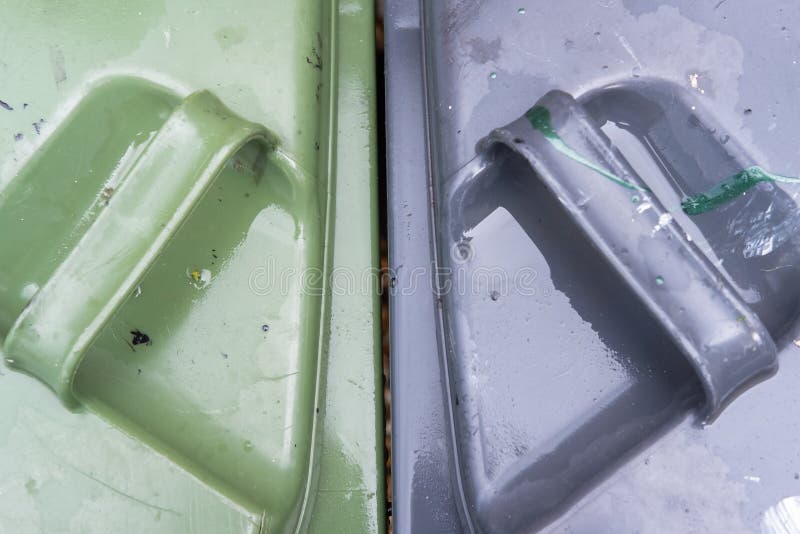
660 280
637 71
248 446
494 295
462 250
493 75
521 11
635 199
29 290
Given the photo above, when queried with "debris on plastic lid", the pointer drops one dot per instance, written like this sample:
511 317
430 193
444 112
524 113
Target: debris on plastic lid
199 278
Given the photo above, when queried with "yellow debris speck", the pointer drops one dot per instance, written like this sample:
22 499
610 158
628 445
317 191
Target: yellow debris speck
198 278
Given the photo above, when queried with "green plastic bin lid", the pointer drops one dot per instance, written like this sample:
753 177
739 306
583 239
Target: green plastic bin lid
167 272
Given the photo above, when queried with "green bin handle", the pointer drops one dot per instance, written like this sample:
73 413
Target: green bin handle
52 334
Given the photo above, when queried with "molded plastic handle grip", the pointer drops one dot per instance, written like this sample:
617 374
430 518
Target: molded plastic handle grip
724 340
52 334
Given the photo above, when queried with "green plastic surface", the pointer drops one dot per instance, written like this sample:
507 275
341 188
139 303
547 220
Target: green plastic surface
144 219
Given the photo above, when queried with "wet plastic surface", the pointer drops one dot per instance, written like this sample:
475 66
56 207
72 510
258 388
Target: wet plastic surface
622 265
146 348
155 183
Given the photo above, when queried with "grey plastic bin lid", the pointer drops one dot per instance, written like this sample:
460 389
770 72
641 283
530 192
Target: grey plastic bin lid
602 199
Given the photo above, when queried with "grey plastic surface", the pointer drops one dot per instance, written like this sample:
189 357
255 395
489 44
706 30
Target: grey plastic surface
423 499
688 296
570 402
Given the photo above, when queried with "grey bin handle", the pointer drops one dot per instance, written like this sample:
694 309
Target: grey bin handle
723 339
